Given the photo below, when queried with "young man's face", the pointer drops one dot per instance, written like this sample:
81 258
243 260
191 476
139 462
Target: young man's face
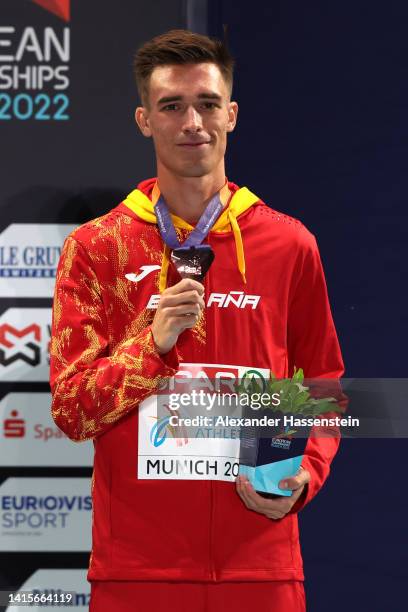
188 115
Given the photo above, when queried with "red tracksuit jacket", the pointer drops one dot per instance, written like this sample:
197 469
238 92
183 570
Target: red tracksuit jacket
104 364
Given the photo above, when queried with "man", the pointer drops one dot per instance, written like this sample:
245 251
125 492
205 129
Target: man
124 323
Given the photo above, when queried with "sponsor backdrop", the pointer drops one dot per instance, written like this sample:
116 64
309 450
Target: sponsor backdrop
70 152
321 109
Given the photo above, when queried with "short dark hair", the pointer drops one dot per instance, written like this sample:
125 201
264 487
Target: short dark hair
180 47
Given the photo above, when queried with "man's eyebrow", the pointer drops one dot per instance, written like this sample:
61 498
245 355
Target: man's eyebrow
201 96
167 99
210 96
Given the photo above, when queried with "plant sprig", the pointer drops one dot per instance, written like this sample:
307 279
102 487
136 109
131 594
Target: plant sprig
295 398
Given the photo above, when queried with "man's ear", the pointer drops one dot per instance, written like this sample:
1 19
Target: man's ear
142 120
232 116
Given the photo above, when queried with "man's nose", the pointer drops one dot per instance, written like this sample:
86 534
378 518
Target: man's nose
192 120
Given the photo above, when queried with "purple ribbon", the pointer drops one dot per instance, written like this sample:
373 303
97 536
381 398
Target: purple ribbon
199 233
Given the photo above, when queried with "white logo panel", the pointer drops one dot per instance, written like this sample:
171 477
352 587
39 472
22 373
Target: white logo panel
45 514
24 344
29 255
29 436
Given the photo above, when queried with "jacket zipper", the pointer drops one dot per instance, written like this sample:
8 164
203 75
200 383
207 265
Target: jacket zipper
209 345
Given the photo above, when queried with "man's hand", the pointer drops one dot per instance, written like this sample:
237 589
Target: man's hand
179 308
273 508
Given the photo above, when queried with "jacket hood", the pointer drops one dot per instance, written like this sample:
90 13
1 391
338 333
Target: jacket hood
236 202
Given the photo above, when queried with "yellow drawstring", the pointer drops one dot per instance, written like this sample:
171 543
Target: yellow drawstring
164 269
239 246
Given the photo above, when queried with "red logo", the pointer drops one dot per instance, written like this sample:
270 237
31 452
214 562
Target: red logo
60 8
14 427
18 344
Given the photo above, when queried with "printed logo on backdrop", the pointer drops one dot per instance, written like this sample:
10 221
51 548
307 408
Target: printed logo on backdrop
29 255
35 65
61 8
54 582
24 344
29 436
45 514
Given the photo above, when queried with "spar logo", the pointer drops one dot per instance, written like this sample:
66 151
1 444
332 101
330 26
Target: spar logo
34 67
60 8
24 344
254 379
29 255
233 299
211 378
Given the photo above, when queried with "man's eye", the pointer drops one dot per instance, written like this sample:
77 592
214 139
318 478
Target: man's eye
210 105
170 107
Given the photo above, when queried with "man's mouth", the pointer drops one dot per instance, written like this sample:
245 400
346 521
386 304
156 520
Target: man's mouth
193 144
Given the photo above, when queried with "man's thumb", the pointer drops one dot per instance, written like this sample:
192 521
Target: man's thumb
295 482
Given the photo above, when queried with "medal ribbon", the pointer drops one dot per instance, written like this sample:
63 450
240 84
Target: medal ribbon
198 234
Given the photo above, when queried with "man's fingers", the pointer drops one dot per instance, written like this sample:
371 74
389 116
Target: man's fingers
241 489
182 309
188 321
278 506
186 297
295 482
186 284
271 508
252 499
275 515
255 500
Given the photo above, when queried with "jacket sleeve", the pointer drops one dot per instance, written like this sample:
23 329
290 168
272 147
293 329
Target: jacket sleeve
314 347
92 385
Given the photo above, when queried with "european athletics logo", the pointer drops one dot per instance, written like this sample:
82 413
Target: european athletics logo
60 8
35 65
158 432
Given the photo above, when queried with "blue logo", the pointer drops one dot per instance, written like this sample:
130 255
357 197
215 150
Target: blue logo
158 432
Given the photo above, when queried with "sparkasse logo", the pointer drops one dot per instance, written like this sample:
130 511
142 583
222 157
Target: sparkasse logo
30 437
60 8
14 427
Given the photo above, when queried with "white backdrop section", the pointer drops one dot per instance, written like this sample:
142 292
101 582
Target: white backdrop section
29 436
24 341
45 514
29 255
53 582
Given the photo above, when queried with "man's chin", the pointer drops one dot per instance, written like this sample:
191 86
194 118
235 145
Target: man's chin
196 170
